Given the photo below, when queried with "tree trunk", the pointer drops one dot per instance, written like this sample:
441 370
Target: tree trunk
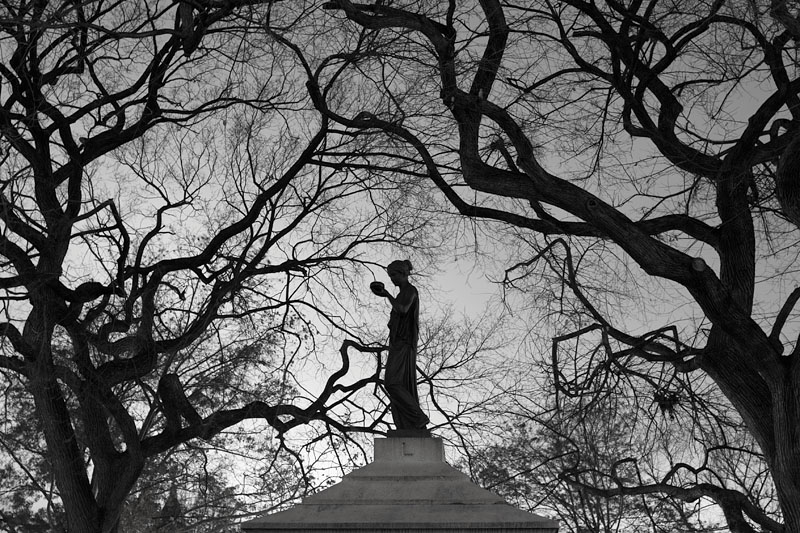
769 403
788 490
787 181
66 458
785 461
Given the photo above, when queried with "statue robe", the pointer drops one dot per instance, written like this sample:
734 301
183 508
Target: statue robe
400 378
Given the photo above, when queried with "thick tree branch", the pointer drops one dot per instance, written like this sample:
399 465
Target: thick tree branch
734 504
282 417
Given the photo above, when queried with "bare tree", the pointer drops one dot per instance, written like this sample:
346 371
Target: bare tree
163 193
667 131
527 463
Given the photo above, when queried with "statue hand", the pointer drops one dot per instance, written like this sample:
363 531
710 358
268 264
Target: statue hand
378 289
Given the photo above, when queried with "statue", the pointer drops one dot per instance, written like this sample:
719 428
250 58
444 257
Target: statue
400 377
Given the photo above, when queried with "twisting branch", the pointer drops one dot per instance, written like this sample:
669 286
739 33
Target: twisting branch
281 417
175 404
783 315
734 504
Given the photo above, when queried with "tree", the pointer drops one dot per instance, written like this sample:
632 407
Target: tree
175 172
25 480
164 191
526 468
209 474
660 138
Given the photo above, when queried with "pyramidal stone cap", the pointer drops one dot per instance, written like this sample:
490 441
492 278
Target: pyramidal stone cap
407 488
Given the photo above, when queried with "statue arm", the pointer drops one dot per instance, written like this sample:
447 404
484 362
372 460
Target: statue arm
404 300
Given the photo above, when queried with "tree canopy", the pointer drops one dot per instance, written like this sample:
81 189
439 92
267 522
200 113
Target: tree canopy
654 138
168 234
184 176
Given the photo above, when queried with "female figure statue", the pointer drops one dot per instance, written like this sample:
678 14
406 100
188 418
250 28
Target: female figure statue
400 377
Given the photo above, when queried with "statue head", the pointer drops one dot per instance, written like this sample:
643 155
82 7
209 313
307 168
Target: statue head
399 271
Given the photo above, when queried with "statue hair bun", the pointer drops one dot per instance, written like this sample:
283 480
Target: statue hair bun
403 265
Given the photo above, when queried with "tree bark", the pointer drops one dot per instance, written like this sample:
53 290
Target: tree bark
66 458
785 462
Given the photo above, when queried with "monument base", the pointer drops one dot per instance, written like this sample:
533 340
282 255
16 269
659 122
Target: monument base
409 433
408 488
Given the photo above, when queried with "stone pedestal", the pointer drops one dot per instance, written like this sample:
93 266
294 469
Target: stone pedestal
408 488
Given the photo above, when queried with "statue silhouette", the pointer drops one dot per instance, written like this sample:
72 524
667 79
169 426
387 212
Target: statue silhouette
400 378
